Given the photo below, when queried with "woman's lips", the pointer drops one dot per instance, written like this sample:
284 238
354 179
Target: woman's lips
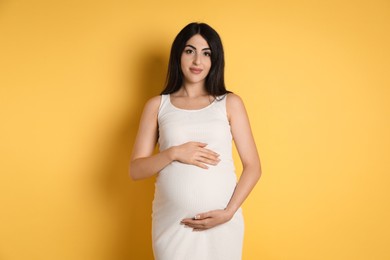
196 70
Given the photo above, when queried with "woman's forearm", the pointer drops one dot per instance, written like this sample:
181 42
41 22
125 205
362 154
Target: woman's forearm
194 153
249 177
145 167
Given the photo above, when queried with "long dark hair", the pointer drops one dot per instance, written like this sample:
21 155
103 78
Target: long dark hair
215 82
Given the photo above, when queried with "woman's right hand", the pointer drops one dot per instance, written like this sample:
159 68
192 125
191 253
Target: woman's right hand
196 154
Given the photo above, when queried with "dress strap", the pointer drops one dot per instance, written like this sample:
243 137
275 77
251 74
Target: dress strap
163 101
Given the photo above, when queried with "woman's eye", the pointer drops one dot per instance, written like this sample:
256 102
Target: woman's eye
189 51
208 54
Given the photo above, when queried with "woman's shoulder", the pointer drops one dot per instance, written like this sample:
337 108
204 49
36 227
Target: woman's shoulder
153 104
154 100
233 100
234 106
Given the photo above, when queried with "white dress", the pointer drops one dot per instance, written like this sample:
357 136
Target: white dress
183 190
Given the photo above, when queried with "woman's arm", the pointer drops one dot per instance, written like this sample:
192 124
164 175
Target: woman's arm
246 147
251 173
144 164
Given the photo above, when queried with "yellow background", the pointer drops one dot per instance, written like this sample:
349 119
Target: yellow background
74 76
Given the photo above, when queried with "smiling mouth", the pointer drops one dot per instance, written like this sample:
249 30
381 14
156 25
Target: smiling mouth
195 70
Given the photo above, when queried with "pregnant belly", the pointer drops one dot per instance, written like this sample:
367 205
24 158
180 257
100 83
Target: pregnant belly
187 188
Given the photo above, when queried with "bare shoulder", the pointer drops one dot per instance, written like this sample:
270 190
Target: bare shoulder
152 104
154 101
234 100
234 106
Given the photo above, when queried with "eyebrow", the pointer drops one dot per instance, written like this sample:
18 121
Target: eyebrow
204 49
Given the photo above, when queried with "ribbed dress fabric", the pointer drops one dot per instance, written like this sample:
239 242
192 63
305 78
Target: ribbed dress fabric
183 190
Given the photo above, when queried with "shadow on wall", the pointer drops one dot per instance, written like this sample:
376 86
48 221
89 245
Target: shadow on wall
130 201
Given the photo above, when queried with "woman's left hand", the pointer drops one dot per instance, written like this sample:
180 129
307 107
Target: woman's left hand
207 220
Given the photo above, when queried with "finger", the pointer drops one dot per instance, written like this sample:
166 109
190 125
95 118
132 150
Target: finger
201 220
201 165
210 152
203 215
209 161
200 144
208 157
203 225
198 217
197 225
192 224
195 221
186 220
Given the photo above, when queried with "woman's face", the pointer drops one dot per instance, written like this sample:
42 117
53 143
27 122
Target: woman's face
196 60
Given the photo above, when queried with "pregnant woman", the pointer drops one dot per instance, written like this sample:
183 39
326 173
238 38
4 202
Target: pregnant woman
197 200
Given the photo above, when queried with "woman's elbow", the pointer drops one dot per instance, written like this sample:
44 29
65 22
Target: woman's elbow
133 173
254 169
259 172
256 172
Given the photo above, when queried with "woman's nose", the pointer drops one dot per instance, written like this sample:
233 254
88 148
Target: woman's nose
196 59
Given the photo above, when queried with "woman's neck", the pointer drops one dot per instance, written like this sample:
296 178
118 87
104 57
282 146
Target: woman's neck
192 90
